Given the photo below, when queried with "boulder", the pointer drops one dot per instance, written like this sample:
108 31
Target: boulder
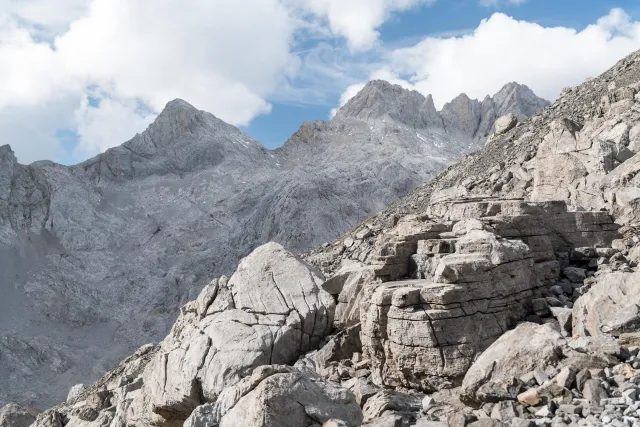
13 415
350 280
202 416
505 123
611 306
423 334
517 352
389 402
289 399
271 311
75 392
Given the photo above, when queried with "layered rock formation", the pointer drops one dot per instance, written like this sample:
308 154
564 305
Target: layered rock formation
97 258
476 301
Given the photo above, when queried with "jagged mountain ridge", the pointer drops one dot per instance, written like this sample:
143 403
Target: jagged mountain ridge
380 100
99 256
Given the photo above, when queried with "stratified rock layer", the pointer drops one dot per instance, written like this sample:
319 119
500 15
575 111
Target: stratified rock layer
473 280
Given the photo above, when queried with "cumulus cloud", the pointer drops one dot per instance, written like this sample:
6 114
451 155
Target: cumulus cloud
357 20
547 59
94 124
224 57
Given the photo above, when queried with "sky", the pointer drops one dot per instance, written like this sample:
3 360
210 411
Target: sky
80 76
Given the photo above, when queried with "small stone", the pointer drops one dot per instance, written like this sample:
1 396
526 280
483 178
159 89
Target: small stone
631 394
504 411
566 377
544 412
521 422
564 317
570 409
540 375
427 403
582 377
630 339
594 392
574 274
540 307
529 397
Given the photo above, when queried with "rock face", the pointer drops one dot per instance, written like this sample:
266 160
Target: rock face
473 279
13 415
462 118
611 306
514 354
97 258
270 311
580 150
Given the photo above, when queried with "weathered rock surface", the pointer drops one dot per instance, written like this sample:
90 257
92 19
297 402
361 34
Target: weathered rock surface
517 352
611 306
470 281
293 399
13 415
97 258
270 311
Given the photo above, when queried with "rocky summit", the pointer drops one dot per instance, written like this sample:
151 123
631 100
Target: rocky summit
503 292
97 258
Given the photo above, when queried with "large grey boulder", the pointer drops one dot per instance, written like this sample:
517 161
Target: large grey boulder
271 311
506 123
611 306
13 415
514 354
291 399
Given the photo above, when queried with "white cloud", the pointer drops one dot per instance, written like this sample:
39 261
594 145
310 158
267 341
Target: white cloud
95 124
358 20
502 49
32 130
224 57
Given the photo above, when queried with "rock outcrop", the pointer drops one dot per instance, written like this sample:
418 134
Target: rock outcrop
473 280
13 415
97 258
611 306
522 350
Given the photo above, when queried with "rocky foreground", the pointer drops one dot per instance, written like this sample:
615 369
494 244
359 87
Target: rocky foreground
504 292
419 333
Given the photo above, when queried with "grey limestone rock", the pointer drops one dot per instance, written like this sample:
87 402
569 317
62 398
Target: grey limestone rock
13 415
521 350
611 306
97 258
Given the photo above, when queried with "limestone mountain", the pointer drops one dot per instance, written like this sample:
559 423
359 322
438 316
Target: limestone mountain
97 258
503 292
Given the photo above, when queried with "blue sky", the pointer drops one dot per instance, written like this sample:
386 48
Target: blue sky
80 76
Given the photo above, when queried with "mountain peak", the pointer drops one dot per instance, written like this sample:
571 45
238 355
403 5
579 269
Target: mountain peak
518 99
380 99
178 109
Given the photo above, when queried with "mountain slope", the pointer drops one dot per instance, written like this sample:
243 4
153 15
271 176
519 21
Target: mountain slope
98 257
584 149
